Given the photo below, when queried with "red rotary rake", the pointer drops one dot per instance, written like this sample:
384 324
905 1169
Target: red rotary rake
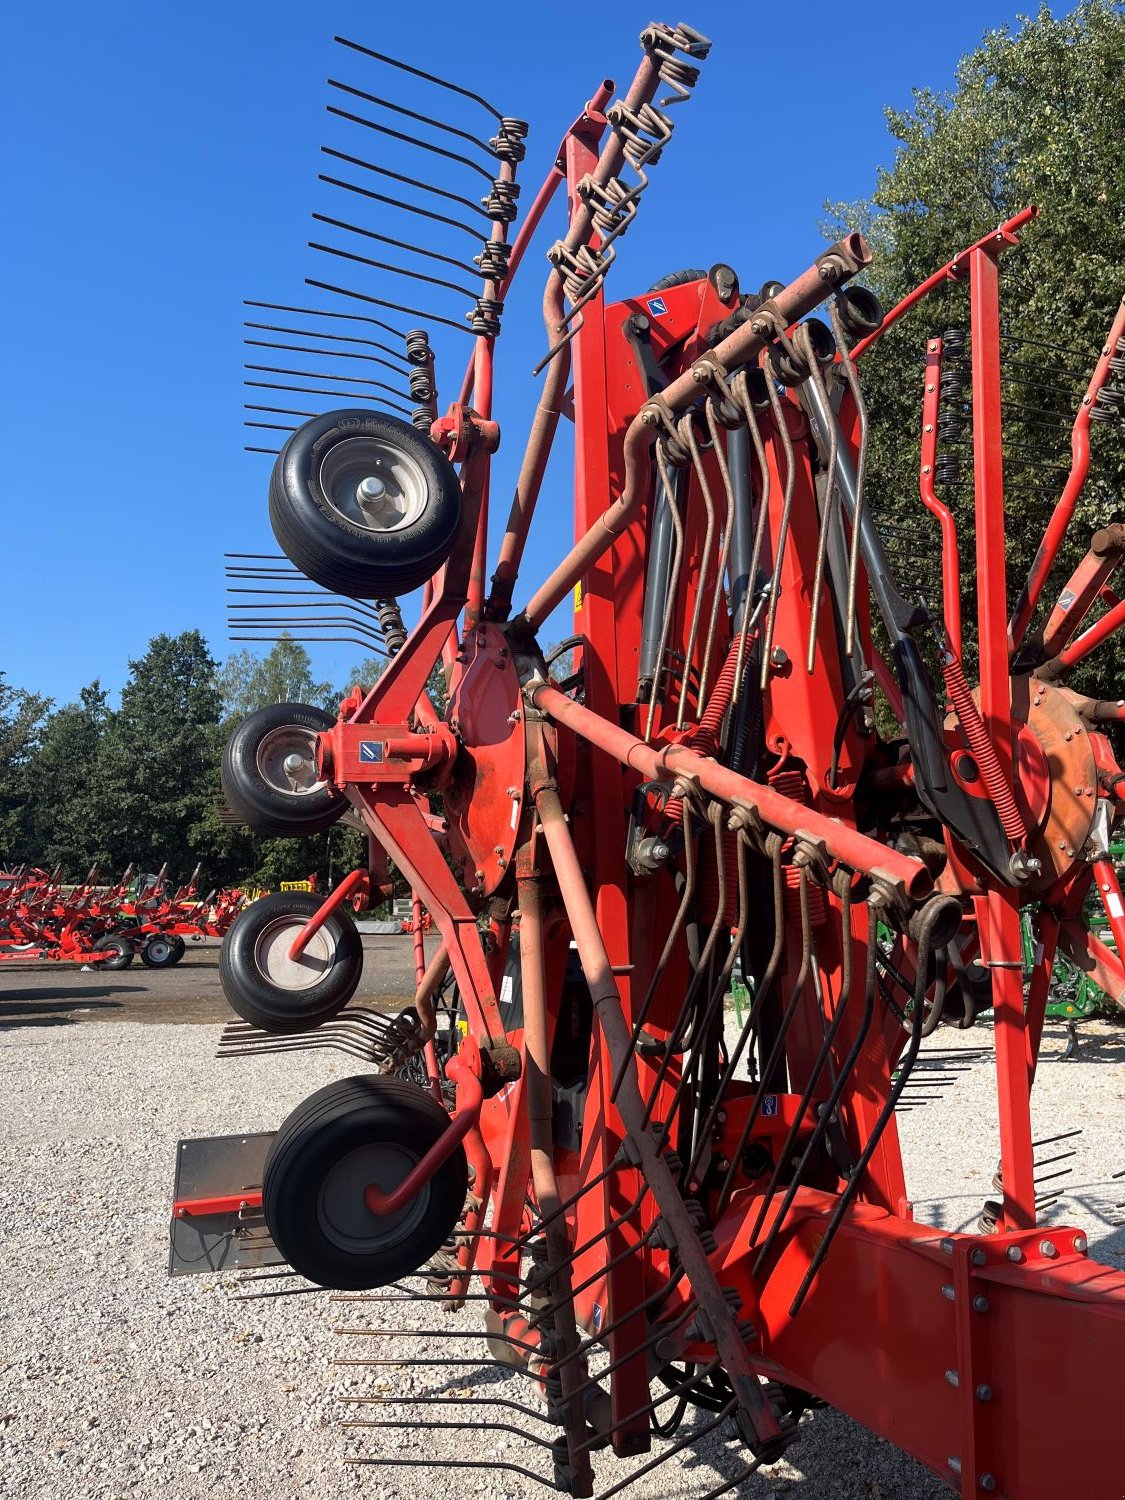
659 1197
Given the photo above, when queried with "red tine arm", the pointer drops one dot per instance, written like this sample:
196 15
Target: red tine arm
950 559
1064 510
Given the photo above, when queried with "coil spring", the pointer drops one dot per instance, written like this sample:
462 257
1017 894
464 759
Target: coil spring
664 42
418 350
581 269
484 317
493 260
952 408
983 750
644 132
612 204
1108 405
791 783
501 201
947 468
390 623
953 342
421 386
508 142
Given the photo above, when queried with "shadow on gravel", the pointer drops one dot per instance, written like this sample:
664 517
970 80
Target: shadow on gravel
16 1013
77 994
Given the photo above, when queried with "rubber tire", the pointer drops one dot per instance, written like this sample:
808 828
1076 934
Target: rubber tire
179 948
265 1004
337 1119
159 939
124 951
677 278
332 551
266 809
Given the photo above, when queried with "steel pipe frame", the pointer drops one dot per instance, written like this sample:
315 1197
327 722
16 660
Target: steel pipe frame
845 844
833 269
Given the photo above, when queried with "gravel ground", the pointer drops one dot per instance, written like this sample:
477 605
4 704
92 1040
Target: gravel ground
117 1382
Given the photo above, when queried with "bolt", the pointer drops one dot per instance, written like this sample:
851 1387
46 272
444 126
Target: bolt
988 1481
929 387
721 1118
1014 1253
1067 736
947 1247
925 469
978 1257
498 848
778 657
984 1392
1048 1248
952 1378
929 427
1078 790
948 1293
954 1464
980 1304
1080 1244
479 874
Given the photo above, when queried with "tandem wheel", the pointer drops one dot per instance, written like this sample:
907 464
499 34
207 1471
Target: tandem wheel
352 1133
364 504
279 994
269 773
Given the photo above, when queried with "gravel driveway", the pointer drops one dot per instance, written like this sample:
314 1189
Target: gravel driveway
119 1382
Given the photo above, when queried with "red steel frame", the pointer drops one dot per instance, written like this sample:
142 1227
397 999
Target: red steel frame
947 1344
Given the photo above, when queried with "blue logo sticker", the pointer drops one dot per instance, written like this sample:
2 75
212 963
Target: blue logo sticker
658 307
769 1106
371 750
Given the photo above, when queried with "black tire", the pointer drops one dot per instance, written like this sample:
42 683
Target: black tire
260 983
179 948
119 946
367 548
677 278
158 952
352 1132
262 787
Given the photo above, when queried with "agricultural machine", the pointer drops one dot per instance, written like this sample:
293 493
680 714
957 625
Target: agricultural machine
672 1218
107 924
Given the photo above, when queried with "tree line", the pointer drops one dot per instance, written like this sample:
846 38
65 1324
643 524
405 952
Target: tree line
84 783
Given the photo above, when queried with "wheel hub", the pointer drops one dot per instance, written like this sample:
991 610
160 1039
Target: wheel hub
271 955
373 484
343 1214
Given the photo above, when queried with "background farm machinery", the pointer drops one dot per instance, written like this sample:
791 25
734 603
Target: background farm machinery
663 1212
41 917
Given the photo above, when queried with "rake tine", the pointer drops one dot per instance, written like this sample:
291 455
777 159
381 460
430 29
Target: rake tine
373 359
410 114
335 338
411 208
414 312
444 83
321 312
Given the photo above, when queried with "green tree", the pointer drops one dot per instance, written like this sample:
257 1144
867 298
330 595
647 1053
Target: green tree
160 757
247 681
23 718
1035 117
67 786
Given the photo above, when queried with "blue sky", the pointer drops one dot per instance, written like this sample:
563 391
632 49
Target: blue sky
160 164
